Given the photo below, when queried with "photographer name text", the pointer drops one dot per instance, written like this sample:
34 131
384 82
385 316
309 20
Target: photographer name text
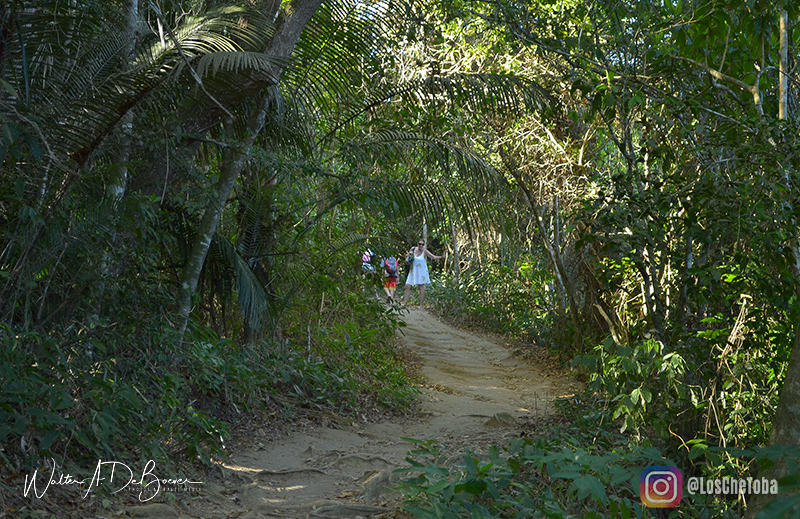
117 475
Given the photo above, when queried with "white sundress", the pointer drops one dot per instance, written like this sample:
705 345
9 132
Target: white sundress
419 273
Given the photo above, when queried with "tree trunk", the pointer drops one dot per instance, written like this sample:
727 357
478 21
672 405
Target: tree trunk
783 67
232 165
287 34
119 183
456 254
683 296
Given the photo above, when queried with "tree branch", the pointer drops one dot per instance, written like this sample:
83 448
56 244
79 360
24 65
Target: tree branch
716 74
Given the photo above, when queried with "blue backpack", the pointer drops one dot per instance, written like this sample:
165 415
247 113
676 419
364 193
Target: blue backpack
390 264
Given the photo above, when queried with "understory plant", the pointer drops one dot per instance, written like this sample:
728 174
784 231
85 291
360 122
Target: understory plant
504 299
578 470
102 394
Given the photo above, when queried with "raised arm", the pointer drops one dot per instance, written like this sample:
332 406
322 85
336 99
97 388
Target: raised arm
431 255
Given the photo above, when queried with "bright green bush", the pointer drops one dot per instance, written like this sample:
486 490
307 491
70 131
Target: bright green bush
644 384
502 299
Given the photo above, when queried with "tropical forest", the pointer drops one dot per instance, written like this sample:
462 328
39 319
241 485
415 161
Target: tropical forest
590 209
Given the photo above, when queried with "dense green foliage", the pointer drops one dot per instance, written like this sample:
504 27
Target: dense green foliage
186 185
578 470
74 397
114 151
516 301
661 201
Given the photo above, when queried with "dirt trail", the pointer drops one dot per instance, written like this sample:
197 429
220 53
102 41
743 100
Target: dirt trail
476 394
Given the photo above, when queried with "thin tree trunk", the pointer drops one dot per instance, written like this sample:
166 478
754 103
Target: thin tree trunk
556 226
456 254
783 67
559 271
119 183
683 297
232 165
124 128
651 270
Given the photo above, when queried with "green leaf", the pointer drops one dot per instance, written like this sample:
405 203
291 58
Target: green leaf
8 88
470 465
437 487
619 475
698 450
566 474
473 486
49 438
590 485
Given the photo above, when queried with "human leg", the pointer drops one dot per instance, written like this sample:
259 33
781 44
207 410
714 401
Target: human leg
421 294
407 293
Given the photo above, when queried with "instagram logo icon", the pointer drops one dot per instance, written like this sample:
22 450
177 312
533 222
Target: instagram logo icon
661 487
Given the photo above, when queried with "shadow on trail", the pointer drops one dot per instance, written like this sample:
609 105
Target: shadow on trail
476 394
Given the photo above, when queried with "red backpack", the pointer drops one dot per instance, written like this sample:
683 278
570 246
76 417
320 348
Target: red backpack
390 264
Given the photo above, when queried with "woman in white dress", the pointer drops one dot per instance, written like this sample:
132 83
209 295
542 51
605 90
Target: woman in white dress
419 272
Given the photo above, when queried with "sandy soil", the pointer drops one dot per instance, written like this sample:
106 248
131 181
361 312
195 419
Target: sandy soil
477 394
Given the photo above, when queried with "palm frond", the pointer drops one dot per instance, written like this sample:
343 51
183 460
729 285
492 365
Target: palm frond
250 293
426 154
341 47
434 203
233 62
82 82
477 93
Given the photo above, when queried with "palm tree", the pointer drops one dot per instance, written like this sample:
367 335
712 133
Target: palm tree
71 88
203 89
336 124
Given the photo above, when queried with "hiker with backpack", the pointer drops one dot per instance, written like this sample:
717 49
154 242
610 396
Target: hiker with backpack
419 271
390 270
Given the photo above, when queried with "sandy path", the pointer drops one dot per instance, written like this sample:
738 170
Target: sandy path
477 394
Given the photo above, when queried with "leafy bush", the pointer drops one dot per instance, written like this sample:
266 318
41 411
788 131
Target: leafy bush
355 337
67 403
685 397
500 298
575 470
644 384
556 478
346 363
